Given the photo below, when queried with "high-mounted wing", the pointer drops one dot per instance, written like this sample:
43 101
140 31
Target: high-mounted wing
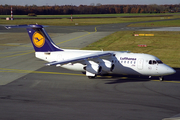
81 59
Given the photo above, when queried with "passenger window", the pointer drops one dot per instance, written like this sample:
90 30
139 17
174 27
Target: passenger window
124 61
127 62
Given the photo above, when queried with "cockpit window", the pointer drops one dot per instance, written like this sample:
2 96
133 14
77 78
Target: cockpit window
152 62
159 62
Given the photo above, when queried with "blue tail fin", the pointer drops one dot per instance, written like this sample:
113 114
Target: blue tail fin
39 38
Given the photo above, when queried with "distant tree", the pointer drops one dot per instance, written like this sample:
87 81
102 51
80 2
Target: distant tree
6 5
92 4
138 10
118 9
126 9
133 10
85 9
98 4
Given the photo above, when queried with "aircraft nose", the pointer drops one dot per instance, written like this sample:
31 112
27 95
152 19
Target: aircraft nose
166 70
171 71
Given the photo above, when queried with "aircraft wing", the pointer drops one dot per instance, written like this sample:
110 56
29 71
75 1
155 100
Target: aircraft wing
82 59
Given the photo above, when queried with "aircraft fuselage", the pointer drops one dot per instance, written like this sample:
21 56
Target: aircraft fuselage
123 63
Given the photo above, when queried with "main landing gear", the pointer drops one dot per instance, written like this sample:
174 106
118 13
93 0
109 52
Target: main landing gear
92 77
161 78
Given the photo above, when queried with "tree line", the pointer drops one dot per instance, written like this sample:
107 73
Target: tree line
87 9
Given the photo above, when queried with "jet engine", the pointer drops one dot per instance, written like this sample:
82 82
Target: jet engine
107 66
93 68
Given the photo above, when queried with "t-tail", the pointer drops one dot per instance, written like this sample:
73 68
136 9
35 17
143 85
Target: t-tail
40 39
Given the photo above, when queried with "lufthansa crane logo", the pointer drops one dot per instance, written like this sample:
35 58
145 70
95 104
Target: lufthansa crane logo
38 39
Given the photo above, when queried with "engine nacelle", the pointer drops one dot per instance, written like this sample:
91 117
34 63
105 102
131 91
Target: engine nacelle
93 68
107 66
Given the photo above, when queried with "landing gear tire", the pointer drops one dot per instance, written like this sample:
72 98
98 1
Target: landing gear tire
91 77
161 78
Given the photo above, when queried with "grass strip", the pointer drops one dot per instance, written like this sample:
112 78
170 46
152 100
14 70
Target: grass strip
171 23
68 22
89 15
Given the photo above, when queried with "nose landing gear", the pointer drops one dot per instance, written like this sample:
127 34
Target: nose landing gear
161 78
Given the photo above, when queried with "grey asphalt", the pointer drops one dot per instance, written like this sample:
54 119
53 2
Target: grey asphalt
45 93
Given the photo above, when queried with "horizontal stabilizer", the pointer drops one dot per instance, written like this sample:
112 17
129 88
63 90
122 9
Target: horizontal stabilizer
23 26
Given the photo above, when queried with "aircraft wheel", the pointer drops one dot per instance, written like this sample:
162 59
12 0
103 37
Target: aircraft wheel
91 77
161 78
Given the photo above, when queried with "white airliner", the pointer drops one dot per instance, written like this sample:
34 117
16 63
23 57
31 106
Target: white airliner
94 62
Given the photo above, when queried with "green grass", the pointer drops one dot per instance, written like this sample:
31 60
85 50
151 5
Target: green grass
68 22
89 15
164 45
93 21
170 23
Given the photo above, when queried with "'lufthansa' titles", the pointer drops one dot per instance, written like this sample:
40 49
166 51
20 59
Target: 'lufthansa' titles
126 58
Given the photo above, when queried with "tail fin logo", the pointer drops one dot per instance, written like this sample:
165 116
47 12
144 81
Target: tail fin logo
38 39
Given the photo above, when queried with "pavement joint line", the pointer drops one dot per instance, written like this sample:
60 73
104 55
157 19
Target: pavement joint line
17 54
16 45
30 71
88 33
73 39
57 44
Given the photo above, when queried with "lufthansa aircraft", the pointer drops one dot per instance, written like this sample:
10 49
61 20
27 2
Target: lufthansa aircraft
94 62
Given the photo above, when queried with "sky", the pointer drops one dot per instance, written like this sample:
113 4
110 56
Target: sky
85 2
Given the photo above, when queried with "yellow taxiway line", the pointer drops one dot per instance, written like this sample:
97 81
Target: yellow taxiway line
88 33
43 72
40 72
58 73
17 54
